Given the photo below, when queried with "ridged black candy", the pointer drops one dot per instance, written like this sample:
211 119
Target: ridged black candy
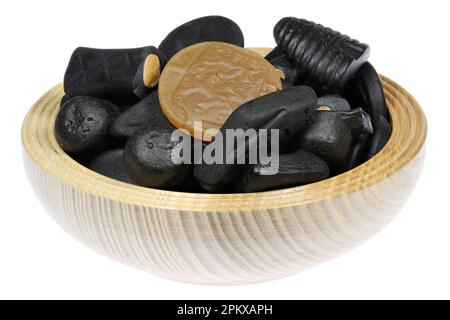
327 136
82 124
145 112
103 73
287 110
366 91
381 134
148 159
297 168
327 55
110 164
210 28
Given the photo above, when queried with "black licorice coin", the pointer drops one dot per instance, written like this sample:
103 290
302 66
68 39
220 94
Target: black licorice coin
333 102
82 124
102 73
329 57
148 159
381 134
294 169
366 91
210 28
145 112
110 163
327 136
287 110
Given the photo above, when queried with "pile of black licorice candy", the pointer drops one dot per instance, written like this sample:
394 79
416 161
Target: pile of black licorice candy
331 113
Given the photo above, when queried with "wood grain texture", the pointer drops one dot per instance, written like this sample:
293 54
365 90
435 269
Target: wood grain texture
225 239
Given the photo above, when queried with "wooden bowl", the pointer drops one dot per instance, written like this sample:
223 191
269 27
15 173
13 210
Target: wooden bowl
225 239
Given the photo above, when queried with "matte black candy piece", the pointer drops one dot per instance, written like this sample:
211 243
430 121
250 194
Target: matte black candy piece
381 134
287 110
327 136
358 152
366 91
148 159
102 73
291 72
328 56
110 164
139 87
357 120
146 112
334 102
82 124
297 168
210 28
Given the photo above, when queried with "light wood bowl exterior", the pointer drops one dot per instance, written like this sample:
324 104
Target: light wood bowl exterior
225 239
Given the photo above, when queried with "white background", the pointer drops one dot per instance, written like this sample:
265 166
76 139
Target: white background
410 44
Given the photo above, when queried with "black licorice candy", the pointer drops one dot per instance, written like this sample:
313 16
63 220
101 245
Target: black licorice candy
146 112
82 125
357 120
210 28
287 110
294 169
102 73
327 136
381 133
148 159
291 72
328 56
276 52
358 152
110 164
366 91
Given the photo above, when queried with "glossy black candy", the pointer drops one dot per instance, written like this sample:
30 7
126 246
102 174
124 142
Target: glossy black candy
286 110
210 28
145 112
148 159
295 169
381 134
366 91
139 88
334 102
82 124
327 136
328 56
357 120
110 163
103 73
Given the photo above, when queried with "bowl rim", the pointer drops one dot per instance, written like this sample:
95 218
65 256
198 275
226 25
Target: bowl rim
409 130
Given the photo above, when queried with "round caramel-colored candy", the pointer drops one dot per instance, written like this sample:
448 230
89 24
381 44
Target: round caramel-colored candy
206 82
